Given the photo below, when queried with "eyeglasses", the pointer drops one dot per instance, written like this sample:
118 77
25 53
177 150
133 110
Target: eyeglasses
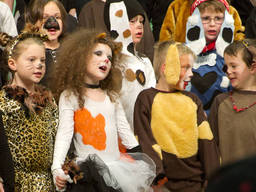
217 20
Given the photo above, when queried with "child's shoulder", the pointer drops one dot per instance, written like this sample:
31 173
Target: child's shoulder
149 92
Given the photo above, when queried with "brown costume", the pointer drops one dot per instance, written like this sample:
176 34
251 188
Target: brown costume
235 132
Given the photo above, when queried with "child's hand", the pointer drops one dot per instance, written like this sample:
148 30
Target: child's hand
60 179
1 187
60 182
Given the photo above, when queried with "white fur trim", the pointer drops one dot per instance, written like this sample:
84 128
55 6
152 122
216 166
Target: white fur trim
209 59
120 24
220 43
224 82
195 20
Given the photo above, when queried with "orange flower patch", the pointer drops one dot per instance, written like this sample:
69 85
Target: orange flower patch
92 129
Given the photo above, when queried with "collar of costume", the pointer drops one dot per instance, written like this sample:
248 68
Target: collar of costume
32 102
209 47
198 2
92 86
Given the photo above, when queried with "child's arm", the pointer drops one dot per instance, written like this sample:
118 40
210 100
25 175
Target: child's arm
208 151
124 129
64 136
213 120
6 166
142 128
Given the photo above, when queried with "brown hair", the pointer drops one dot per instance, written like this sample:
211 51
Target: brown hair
160 51
242 47
73 56
35 11
212 5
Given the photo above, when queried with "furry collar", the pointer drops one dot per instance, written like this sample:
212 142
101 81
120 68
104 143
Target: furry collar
33 102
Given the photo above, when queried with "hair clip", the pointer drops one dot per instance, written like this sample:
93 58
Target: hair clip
26 35
246 44
101 35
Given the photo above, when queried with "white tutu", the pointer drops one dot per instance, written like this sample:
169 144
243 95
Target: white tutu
133 172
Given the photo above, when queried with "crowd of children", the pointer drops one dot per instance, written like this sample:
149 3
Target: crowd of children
84 109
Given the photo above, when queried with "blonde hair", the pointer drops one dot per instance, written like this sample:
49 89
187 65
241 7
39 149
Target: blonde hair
160 51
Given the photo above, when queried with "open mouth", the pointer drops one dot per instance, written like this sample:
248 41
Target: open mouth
212 32
52 30
103 68
185 84
139 34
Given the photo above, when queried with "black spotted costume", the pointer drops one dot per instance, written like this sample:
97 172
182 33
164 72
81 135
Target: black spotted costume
208 79
30 135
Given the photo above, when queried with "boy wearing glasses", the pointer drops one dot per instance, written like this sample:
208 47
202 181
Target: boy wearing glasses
210 28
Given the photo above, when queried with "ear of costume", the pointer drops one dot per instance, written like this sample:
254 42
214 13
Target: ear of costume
195 38
117 14
226 35
172 65
29 31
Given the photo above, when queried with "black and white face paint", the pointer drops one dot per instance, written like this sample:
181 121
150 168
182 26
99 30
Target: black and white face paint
51 23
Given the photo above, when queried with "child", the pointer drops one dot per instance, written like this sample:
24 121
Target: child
232 116
29 113
92 17
125 20
171 125
49 15
87 76
175 20
209 30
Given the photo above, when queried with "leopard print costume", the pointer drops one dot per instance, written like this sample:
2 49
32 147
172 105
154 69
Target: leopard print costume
31 138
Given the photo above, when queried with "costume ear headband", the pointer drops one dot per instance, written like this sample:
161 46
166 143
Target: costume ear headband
251 49
117 48
29 31
198 2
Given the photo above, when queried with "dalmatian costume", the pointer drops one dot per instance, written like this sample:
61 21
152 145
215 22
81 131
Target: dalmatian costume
208 80
138 73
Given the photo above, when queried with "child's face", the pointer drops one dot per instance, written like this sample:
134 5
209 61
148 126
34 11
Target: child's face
99 64
186 62
51 9
29 67
212 22
136 27
237 71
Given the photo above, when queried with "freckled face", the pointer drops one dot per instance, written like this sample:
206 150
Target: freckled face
212 22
